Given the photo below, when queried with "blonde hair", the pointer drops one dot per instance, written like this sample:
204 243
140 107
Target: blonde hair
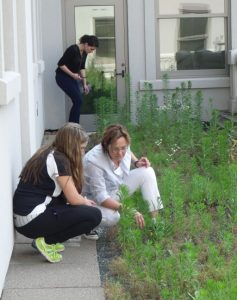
68 141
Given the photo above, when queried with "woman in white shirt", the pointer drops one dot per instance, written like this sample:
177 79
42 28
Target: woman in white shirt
107 167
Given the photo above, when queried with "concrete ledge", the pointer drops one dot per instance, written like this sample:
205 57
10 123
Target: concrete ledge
55 293
197 83
10 87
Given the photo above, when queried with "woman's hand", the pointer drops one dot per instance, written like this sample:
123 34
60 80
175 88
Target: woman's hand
86 89
89 202
76 76
142 162
139 220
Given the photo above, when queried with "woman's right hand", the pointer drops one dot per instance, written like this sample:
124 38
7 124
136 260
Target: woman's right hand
76 76
139 220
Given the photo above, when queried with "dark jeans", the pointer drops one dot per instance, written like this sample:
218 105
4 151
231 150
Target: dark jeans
61 222
71 87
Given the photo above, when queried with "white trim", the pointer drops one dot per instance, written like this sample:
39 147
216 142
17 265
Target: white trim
2 65
197 83
38 210
10 87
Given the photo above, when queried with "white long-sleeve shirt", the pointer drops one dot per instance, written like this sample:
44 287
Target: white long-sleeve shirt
102 176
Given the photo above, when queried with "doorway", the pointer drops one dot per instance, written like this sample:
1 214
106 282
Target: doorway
106 68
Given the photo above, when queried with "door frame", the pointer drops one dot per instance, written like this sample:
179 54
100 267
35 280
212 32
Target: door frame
86 120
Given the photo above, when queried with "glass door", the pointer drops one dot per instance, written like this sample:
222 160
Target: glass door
106 67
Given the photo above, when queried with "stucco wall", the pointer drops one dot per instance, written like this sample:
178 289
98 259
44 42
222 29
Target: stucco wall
52 36
21 107
10 162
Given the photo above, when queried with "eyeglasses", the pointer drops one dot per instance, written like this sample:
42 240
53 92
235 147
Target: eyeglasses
117 149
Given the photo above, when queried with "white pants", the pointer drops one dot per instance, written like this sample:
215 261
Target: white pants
143 178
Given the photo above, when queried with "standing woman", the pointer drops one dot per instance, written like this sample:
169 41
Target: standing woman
70 74
47 203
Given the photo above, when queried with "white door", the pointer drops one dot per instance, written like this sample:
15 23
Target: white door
105 19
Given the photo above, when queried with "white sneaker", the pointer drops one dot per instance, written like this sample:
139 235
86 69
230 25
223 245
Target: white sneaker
93 235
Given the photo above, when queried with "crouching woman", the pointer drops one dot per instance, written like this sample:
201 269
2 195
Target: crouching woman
47 203
107 167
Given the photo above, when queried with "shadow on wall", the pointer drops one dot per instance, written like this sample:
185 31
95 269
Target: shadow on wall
201 59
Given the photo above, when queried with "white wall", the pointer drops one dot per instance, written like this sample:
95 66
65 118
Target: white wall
10 150
10 162
136 46
21 123
52 35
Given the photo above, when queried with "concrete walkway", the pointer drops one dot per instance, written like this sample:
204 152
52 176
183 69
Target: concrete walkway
31 277
76 277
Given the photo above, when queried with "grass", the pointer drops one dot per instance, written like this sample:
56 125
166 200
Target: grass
191 254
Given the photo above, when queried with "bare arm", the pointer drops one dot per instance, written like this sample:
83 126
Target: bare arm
115 205
83 76
71 193
65 69
112 204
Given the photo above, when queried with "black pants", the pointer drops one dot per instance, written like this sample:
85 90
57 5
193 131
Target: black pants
61 222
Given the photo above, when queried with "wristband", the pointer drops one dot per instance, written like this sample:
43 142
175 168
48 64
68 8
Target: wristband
135 163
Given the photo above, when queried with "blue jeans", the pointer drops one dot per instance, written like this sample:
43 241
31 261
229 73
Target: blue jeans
71 87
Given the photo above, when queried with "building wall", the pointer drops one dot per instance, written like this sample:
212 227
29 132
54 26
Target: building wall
21 106
53 48
233 65
142 63
142 51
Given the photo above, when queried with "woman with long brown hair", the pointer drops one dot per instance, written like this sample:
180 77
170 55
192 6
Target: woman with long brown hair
48 205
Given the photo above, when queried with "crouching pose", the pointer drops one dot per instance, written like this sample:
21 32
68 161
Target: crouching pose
47 203
107 167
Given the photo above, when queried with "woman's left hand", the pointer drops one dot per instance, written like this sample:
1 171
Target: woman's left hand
89 202
86 89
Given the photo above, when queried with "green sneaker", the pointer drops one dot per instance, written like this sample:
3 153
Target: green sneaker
57 247
48 251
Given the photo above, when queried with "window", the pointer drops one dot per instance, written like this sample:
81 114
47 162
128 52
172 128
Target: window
105 31
197 37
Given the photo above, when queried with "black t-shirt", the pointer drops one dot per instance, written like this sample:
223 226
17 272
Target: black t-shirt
29 195
73 59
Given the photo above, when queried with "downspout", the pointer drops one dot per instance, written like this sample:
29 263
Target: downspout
232 61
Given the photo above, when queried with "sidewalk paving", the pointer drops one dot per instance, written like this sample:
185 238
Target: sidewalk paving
31 277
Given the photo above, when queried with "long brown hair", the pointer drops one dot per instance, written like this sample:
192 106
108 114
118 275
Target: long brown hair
68 140
113 133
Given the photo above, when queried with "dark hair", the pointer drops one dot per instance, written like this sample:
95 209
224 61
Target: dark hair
113 133
91 40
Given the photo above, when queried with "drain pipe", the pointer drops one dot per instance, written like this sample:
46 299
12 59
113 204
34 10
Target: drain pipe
232 61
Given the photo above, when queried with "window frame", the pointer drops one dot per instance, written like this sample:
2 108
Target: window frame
100 38
198 72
